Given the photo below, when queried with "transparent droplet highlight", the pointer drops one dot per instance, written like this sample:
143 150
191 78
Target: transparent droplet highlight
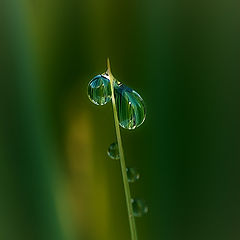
132 175
113 151
99 89
139 207
130 106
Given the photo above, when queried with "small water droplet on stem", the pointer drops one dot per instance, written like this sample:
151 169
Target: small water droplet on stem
113 151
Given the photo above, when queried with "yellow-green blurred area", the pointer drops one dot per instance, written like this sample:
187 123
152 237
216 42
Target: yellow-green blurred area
56 180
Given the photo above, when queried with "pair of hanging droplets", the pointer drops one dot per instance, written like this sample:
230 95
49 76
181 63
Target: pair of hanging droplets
130 106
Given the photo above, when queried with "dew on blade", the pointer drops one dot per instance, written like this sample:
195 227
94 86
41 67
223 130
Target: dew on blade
99 89
132 175
113 151
130 106
139 207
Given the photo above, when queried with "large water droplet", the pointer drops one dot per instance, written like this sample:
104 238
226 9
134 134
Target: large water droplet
99 89
139 207
113 151
130 106
132 175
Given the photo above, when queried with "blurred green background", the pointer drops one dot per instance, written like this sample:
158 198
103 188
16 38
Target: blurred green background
56 181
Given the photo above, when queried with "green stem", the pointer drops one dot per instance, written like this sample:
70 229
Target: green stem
131 218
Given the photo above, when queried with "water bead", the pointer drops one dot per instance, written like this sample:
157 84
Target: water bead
99 89
130 106
113 151
132 175
139 207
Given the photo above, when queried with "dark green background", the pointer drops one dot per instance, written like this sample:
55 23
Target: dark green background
56 181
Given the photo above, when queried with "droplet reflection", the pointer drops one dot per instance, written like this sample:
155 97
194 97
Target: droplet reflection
139 207
130 106
132 175
99 89
113 151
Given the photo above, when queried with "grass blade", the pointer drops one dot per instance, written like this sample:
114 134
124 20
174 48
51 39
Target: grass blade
131 218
